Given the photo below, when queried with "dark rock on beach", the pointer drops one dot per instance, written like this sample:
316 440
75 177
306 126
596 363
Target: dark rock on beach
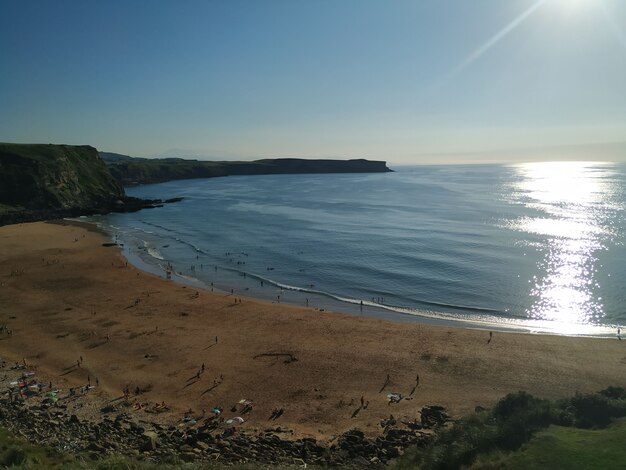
206 441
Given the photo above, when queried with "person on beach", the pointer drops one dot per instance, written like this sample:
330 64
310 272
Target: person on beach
490 337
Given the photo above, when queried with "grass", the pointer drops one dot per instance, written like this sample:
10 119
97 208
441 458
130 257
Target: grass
6 208
565 447
574 432
17 454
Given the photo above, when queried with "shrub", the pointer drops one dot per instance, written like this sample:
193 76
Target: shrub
596 410
14 456
518 416
616 393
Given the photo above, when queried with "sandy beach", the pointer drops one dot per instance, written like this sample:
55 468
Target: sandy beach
65 296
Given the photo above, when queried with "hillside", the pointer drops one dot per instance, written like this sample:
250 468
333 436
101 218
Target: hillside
130 171
40 181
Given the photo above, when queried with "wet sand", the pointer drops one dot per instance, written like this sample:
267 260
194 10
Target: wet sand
64 295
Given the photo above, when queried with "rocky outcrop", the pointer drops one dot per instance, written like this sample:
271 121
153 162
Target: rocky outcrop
62 177
41 182
119 433
79 421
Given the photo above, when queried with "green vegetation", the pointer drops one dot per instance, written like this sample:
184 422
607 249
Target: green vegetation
484 438
128 170
586 431
54 177
563 447
15 453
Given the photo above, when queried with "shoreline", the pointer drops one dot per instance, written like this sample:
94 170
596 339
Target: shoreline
64 296
322 301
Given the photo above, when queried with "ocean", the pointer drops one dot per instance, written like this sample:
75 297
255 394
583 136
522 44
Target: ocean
534 246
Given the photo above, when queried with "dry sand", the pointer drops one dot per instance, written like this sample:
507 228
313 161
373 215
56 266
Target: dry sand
63 293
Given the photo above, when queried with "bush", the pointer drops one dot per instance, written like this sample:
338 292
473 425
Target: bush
596 410
511 423
616 393
14 456
518 416
460 444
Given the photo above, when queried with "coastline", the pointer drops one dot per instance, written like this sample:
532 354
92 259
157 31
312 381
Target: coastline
64 295
231 277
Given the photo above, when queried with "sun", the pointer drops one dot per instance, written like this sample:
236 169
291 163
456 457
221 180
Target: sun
573 5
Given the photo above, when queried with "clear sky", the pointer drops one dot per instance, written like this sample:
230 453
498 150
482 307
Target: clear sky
405 81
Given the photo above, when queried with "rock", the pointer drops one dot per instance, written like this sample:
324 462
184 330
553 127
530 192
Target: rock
95 447
149 441
186 448
202 445
188 456
433 416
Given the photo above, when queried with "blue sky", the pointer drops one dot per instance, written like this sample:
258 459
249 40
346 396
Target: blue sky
404 81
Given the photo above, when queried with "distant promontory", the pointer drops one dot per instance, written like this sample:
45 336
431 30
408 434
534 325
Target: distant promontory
131 170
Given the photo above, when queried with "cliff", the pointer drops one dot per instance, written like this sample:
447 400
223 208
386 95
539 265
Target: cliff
39 181
45 181
129 171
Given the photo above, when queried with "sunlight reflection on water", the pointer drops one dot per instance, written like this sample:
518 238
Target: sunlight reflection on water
574 202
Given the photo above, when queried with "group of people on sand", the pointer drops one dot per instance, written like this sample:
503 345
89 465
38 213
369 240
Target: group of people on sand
151 407
27 385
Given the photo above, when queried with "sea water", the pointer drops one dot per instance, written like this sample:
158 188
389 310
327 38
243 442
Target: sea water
538 246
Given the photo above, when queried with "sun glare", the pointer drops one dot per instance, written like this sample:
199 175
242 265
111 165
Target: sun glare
570 199
573 5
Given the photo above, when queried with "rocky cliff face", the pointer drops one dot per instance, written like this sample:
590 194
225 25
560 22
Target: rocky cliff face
39 181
